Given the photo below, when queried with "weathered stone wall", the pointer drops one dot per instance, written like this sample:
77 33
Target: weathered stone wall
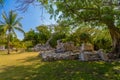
51 56
69 46
87 47
69 51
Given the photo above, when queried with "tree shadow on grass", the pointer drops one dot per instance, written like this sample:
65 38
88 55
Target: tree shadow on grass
30 59
62 70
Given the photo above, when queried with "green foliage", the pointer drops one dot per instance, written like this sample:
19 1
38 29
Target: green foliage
99 37
30 38
60 32
95 11
38 36
3 40
16 43
84 37
9 24
102 39
80 35
28 44
56 37
44 33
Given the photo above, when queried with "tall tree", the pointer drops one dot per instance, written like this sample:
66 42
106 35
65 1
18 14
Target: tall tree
97 12
9 24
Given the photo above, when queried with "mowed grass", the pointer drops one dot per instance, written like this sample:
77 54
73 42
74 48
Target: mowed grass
29 66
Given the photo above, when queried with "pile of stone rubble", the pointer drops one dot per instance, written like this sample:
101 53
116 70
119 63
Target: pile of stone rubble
69 55
93 56
52 56
67 51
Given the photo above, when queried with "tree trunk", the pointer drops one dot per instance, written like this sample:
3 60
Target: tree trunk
115 35
8 43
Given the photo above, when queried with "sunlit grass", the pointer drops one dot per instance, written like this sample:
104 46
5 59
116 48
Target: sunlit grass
4 52
28 66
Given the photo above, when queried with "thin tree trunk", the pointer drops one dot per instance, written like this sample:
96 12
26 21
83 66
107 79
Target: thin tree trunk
8 42
115 35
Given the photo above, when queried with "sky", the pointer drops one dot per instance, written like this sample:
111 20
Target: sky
31 18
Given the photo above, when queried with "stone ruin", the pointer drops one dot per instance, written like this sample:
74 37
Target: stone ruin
52 56
63 47
69 46
60 47
62 51
87 47
88 53
69 51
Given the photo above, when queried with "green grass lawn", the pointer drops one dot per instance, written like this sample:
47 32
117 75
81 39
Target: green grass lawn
28 66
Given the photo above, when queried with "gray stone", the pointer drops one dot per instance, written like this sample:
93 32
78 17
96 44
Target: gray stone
102 55
89 56
50 55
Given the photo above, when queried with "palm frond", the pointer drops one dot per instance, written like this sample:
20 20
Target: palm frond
19 29
20 25
14 33
5 17
1 22
17 22
13 17
3 28
10 17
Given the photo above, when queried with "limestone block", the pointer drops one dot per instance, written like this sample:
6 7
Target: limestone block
88 56
50 55
87 47
102 55
82 57
69 46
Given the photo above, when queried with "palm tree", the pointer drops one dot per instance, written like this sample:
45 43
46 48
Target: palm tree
9 24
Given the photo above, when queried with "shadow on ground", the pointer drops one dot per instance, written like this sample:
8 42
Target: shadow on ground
62 70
